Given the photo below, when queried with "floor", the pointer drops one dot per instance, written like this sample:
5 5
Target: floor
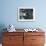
0 44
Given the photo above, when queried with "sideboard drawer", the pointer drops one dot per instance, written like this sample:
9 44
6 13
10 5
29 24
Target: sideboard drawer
13 33
34 33
37 39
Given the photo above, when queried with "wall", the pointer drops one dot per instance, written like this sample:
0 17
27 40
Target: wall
8 13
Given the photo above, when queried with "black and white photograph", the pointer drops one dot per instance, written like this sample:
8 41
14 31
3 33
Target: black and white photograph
26 14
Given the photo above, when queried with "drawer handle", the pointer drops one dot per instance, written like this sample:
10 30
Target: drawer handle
11 38
33 39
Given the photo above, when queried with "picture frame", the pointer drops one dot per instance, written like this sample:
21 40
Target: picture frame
26 14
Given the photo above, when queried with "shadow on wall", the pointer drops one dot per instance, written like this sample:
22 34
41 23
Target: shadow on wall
2 26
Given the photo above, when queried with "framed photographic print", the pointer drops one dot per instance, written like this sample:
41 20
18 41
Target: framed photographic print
26 14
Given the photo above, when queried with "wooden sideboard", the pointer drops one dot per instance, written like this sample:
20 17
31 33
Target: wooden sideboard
23 39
